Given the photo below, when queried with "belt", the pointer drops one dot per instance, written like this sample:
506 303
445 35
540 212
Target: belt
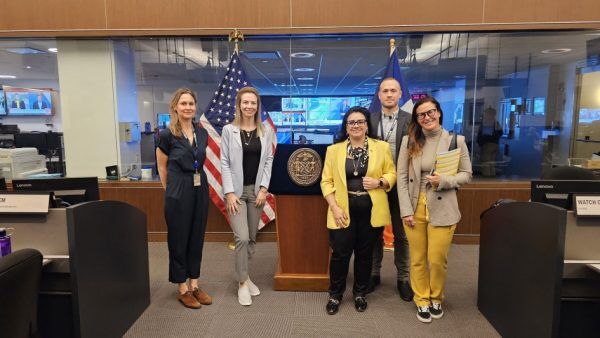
358 193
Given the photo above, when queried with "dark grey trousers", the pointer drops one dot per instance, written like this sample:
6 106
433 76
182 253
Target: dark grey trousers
401 255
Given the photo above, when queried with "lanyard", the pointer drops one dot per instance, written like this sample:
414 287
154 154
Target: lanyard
195 149
389 133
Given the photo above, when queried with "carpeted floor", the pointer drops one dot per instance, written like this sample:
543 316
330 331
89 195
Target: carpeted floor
302 314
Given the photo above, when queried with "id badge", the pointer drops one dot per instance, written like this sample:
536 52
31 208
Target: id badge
197 180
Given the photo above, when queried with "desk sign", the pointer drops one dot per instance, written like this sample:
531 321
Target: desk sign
586 205
24 203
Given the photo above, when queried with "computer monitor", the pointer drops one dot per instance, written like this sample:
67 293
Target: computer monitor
9 128
32 140
560 192
72 190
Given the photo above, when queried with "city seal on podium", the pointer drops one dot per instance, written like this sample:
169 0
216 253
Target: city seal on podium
304 167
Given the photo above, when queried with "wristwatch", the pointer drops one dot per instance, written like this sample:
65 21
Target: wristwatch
380 183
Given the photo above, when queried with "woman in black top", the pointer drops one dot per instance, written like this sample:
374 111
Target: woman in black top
246 160
357 173
180 157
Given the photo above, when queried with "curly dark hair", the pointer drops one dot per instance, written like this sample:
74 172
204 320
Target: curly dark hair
342 134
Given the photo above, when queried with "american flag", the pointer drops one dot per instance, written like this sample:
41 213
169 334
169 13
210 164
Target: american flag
219 112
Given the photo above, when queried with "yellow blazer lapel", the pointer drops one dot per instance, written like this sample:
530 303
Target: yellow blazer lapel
341 162
372 159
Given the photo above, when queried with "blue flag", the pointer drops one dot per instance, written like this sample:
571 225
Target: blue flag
393 70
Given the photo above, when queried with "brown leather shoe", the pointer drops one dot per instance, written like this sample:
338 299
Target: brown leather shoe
188 300
202 296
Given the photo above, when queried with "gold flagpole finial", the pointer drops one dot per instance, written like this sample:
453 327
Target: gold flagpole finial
392 45
236 36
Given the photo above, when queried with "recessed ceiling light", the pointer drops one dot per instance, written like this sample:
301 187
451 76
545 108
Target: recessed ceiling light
556 51
53 50
24 50
265 61
378 78
304 69
306 85
27 67
7 77
269 55
306 78
302 55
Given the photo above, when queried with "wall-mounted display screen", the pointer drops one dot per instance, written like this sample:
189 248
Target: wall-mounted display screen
2 102
28 102
310 120
293 104
539 105
316 111
163 120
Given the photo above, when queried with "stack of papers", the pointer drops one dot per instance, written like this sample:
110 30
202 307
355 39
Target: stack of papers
446 163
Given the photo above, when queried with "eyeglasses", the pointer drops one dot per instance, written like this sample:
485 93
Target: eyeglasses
356 123
430 113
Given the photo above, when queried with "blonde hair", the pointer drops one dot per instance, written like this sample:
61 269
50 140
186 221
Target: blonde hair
175 124
237 121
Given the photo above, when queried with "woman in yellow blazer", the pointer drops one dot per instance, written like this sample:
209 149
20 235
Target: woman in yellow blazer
357 174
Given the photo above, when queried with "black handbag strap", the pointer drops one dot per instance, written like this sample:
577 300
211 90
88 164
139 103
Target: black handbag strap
453 141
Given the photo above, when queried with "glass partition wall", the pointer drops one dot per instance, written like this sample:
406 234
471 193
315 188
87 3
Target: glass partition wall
524 100
30 112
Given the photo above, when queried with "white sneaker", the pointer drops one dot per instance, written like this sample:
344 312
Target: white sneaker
436 310
254 290
423 314
244 295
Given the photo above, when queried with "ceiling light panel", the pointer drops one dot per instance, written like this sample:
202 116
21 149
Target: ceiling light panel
268 55
302 55
24 50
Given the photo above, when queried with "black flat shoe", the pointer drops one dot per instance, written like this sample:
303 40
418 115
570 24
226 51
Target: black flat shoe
332 307
406 292
360 304
373 283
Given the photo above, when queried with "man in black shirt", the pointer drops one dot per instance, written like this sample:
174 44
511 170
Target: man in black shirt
391 124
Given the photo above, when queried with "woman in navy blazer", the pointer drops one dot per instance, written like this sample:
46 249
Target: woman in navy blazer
246 161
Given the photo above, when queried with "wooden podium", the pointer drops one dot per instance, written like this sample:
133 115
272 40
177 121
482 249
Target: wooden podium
302 243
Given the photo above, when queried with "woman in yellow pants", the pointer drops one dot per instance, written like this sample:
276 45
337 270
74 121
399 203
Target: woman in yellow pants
428 204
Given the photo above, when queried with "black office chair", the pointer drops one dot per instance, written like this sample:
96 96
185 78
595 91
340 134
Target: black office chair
20 274
569 173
